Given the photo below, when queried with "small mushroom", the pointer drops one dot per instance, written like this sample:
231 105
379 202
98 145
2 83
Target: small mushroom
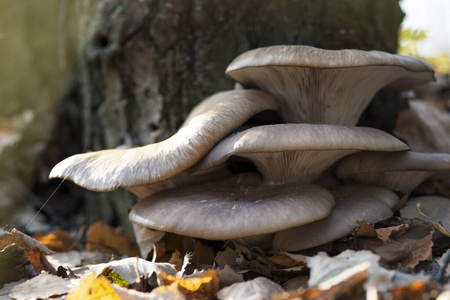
399 171
297 152
325 86
215 118
353 203
239 206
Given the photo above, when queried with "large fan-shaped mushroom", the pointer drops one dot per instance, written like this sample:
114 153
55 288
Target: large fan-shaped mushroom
297 152
108 169
325 86
239 206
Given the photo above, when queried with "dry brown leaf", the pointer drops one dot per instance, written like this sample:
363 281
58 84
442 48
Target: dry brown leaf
14 265
408 247
34 250
350 288
199 285
226 257
100 237
203 254
228 276
419 240
57 240
385 234
365 230
287 260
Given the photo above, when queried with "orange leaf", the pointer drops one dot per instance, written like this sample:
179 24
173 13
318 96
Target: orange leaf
100 237
196 286
58 240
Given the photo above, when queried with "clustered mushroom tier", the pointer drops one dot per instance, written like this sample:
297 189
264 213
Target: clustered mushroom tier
314 172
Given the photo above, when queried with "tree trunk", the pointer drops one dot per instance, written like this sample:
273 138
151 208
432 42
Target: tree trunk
147 63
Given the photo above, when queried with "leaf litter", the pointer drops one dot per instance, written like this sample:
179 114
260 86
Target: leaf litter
376 259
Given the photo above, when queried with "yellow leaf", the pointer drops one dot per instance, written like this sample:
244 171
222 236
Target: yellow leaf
93 288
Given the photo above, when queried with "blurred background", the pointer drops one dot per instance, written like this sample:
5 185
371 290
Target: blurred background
87 75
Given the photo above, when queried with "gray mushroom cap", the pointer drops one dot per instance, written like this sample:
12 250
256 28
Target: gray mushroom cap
108 169
237 207
353 203
400 171
297 152
325 86
436 208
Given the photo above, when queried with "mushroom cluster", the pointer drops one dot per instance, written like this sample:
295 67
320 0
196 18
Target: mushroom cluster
221 178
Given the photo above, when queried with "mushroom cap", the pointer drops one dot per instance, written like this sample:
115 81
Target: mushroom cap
424 127
436 208
297 152
400 171
325 86
108 169
237 207
353 203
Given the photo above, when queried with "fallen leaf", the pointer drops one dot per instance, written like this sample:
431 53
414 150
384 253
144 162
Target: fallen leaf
258 288
203 254
43 286
365 229
34 250
228 276
146 239
296 283
100 237
75 258
14 265
93 288
408 245
199 285
132 268
388 233
167 292
57 241
288 260
114 277
328 271
347 285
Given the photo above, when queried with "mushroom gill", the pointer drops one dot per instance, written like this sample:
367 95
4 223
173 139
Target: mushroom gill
297 152
325 86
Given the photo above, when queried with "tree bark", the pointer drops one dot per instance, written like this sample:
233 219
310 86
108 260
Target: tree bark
146 63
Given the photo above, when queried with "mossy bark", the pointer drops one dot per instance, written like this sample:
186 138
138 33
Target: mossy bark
146 63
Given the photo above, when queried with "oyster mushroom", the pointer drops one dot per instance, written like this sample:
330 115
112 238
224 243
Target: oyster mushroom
325 86
296 152
353 203
399 171
237 207
436 208
108 169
